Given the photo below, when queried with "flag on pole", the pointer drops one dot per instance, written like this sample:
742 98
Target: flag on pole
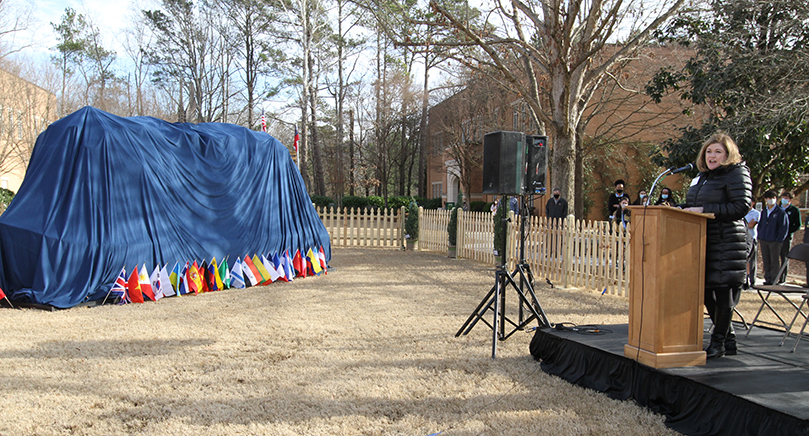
203 276
154 279
134 294
250 272
217 280
118 289
236 276
175 276
3 297
270 268
263 122
314 261
266 279
289 272
298 265
145 283
182 281
321 255
194 282
224 274
164 282
297 138
279 267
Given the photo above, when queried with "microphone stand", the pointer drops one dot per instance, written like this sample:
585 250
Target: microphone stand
654 185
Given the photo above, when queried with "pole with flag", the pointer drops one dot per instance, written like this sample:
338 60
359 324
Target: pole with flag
263 122
295 142
4 297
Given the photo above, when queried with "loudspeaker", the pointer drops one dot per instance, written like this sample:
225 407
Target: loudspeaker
537 156
503 160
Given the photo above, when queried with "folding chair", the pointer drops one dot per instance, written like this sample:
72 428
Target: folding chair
805 320
799 253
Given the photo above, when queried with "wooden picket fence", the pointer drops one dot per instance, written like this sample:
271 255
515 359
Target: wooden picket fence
364 227
569 252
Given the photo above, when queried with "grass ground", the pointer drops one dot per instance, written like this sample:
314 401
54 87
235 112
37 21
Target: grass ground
368 349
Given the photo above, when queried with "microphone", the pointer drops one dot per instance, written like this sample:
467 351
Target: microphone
688 167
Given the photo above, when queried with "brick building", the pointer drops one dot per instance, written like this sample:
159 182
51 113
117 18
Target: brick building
624 125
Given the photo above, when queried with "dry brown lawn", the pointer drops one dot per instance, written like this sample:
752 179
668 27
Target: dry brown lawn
368 349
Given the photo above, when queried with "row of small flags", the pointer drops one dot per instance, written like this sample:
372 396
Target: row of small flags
193 278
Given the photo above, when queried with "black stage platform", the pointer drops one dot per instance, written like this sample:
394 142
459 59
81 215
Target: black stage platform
764 390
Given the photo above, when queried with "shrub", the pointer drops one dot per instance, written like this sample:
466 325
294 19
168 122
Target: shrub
354 202
321 200
397 202
412 221
433 203
375 200
6 195
480 206
452 227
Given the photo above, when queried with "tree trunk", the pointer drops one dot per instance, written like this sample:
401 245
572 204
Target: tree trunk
425 103
564 165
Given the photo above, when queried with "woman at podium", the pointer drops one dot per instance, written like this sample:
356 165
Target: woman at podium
723 188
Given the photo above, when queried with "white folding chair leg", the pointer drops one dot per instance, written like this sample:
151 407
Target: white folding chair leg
805 321
794 318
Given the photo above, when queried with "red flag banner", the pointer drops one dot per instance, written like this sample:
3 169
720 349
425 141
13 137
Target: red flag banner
297 138
263 122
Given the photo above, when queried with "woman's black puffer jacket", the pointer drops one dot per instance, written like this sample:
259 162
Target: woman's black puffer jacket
725 192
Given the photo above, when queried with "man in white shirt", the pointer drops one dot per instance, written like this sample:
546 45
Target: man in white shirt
751 219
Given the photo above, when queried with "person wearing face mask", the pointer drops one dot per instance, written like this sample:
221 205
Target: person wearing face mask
794 217
723 188
773 227
666 198
641 200
556 206
614 201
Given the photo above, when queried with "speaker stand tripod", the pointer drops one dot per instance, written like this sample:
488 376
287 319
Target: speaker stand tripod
495 299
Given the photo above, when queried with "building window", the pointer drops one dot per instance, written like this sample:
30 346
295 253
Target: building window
438 145
4 182
438 189
19 125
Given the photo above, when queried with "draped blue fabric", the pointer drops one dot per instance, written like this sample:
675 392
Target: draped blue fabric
103 192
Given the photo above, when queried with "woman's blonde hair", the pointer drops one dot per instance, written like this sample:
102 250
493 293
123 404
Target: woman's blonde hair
726 141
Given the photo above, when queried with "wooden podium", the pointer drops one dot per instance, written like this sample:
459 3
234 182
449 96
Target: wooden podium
666 287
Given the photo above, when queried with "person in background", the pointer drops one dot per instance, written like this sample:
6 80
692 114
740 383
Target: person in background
641 200
666 198
794 217
751 219
773 226
622 215
723 188
615 198
556 207
514 205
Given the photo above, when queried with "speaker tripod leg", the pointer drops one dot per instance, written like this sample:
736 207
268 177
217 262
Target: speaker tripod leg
477 314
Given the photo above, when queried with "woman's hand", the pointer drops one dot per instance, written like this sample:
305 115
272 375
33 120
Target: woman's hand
694 209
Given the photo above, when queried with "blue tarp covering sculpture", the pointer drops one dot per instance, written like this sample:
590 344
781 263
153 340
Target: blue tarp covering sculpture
103 192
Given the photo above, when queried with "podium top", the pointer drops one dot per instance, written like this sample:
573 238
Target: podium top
710 216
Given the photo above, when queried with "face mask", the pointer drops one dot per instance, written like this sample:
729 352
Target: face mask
555 195
785 201
770 202
642 195
619 191
665 196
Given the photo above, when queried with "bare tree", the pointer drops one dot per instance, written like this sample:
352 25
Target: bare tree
476 109
15 17
552 54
